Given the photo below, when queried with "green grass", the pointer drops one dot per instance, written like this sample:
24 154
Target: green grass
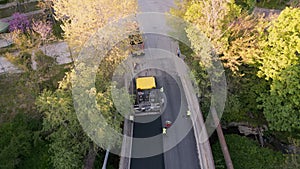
18 91
272 4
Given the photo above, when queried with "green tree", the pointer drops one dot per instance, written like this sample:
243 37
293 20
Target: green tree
280 65
68 142
281 45
281 104
20 141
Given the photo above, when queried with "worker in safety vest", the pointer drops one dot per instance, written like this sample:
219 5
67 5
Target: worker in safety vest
188 113
161 89
164 131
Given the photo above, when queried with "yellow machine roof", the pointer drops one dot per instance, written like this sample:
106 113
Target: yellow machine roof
144 83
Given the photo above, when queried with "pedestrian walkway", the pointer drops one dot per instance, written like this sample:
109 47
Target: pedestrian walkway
59 50
4 43
7 67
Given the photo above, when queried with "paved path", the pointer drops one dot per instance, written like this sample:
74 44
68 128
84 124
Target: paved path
58 50
7 67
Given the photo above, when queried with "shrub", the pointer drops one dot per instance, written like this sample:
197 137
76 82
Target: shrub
246 154
3 1
19 22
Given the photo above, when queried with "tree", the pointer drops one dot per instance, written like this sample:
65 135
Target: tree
19 142
93 15
281 45
227 25
280 65
213 18
68 142
243 48
281 104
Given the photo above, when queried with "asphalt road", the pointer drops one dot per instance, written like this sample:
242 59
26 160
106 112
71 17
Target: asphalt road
146 130
179 144
180 136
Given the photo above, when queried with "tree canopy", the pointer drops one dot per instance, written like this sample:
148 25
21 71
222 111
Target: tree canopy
280 65
81 19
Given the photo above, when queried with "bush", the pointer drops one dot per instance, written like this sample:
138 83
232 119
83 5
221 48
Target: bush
246 154
19 22
4 1
19 146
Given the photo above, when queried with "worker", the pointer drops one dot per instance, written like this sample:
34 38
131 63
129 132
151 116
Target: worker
164 131
168 124
178 52
188 113
161 89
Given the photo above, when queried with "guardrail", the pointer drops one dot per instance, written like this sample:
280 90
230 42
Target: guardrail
126 145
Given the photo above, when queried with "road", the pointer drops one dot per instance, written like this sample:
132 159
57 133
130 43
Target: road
179 145
145 130
181 135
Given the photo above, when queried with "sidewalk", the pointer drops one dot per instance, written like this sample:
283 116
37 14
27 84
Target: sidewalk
7 67
59 50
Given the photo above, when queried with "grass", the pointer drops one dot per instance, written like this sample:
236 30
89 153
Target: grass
19 91
272 4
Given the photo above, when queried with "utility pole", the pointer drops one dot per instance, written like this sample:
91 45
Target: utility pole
222 139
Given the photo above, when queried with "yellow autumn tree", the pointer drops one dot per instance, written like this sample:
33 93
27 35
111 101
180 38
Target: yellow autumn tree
81 19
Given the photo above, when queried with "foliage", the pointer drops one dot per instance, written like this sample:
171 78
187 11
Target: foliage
79 26
280 65
243 91
243 48
112 163
57 30
246 154
43 29
4 1
181 8
19 142
272 4
292 160
233 111
19 22
17 95
68 142
25 41
19 91
294 3
281 46
47 7
213 19
281 105
246 5
23 60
